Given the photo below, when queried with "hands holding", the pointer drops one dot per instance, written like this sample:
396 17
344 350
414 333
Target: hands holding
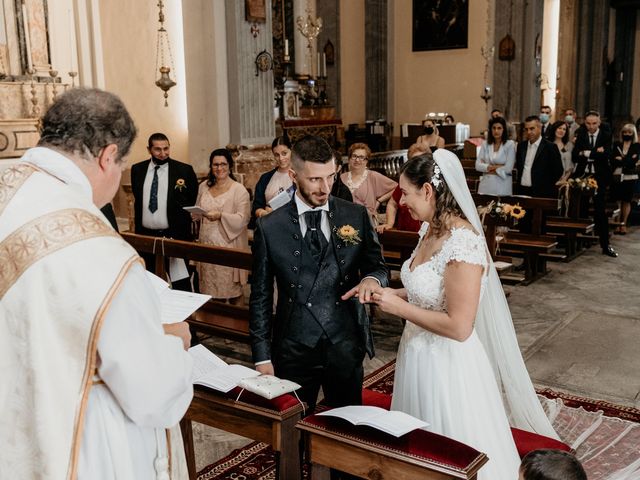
261 212
180 330
381 228
363 290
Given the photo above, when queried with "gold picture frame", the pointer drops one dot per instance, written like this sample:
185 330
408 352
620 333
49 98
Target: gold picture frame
255 11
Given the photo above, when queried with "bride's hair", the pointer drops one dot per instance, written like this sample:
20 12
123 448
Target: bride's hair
423 169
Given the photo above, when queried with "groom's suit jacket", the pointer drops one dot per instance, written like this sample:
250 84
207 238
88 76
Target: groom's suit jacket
309 304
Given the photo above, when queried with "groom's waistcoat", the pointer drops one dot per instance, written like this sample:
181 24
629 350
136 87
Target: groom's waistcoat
317 308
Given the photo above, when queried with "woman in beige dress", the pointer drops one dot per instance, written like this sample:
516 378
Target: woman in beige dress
224 225
368 188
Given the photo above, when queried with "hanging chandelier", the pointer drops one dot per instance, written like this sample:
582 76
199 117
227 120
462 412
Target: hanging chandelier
162 45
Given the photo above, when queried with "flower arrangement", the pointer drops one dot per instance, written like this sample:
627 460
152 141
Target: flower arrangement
505 211
180 184
583 183
348 235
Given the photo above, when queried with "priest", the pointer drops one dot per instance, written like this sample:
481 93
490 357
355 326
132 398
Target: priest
90 379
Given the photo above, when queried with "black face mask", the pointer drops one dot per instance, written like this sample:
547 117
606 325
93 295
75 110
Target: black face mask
428 130
627 138
157 161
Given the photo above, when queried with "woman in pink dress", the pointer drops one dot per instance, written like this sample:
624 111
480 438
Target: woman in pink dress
224 225
368 188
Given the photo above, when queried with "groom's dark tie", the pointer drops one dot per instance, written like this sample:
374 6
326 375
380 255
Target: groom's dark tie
314 237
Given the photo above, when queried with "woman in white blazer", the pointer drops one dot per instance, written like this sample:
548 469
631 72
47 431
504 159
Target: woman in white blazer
496 159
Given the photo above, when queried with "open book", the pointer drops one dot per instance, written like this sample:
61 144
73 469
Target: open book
392 422
175 305
213 372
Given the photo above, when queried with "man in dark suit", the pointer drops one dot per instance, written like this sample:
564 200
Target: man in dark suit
591 154
161 187
317 248
538 162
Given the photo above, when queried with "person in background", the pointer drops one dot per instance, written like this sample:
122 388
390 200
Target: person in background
551 465
572 124
339 189
558 134
545 118
369 188
91 379
496 112
538 163
449 120
274 181
625 163
430 138
398 215
591 154
224 225
496 159
161 187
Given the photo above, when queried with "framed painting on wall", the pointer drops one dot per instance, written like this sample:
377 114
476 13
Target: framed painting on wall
440 24
255 11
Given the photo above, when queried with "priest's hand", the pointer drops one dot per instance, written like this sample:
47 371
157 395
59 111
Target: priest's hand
265 368
180 330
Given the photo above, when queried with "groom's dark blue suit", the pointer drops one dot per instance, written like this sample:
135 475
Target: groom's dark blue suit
315 339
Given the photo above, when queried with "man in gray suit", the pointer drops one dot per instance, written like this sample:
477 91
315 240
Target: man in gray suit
317 248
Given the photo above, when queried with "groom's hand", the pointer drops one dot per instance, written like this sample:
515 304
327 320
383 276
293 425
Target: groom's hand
265 368
363 290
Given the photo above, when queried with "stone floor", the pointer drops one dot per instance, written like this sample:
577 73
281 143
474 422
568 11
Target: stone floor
578 329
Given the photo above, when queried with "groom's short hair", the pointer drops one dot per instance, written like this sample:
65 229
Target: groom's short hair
551 465
310 149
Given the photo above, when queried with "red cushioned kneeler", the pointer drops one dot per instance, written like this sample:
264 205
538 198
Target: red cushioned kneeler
525 441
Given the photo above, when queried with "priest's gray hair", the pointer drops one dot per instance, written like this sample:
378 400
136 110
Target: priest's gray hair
83 121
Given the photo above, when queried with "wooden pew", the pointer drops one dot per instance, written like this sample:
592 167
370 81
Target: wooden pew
214 318
569 229
532 247
368 453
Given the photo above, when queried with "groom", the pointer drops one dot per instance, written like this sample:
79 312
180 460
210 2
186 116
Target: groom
317 248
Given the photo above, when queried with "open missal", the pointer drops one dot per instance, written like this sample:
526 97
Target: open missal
392 422
213 372
175 305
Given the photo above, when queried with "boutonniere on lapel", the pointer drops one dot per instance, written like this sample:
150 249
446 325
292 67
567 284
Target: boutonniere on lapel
180 185
348 235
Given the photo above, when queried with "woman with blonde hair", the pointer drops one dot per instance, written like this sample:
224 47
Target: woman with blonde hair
368 188
625 164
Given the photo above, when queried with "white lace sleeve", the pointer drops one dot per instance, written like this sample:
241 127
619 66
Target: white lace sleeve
465 246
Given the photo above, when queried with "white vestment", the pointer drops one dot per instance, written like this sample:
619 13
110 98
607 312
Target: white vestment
91 380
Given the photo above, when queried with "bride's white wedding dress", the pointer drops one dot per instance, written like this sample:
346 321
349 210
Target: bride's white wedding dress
447 383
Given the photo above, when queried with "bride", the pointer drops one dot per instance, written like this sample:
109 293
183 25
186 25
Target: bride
459 366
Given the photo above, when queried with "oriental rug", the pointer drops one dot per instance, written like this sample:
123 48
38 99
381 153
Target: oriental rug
605 437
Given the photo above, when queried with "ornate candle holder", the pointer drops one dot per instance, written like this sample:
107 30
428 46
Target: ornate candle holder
310 28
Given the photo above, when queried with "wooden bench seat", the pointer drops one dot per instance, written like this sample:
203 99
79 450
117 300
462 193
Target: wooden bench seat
570 228
530 248
222 320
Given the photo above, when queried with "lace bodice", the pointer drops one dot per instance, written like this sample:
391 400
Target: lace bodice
425 284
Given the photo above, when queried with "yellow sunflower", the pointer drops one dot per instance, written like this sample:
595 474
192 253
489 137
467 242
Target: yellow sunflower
517 212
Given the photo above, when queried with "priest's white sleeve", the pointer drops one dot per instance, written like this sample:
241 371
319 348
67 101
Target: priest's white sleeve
148 372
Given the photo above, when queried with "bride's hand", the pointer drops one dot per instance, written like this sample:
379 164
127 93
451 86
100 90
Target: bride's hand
387 300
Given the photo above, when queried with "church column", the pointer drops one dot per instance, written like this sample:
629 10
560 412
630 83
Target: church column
375 42
549 67
517 82
566 97
591 46
622 78
251 92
